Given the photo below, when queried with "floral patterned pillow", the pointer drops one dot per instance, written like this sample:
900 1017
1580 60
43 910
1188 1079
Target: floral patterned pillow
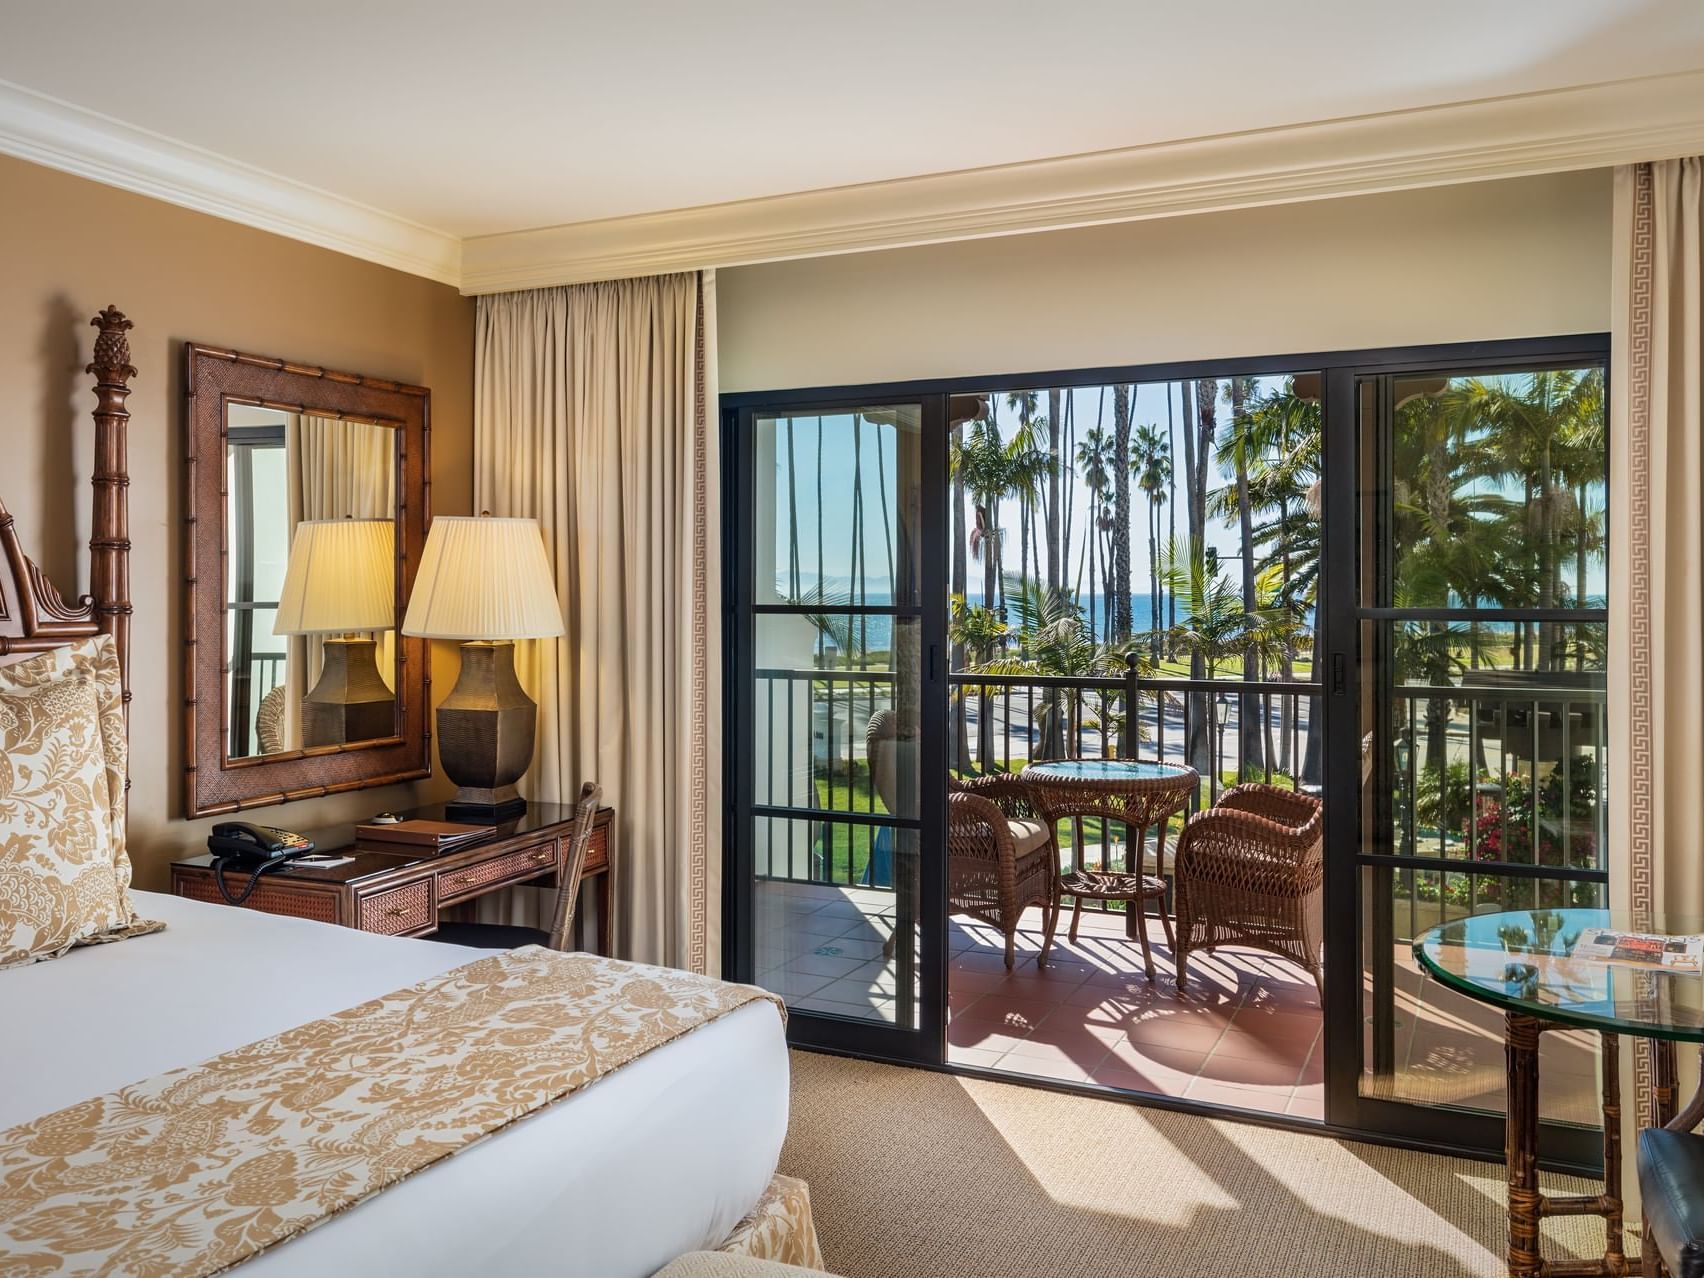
64 869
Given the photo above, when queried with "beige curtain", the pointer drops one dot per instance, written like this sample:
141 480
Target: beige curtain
335 469
594 412
1656 681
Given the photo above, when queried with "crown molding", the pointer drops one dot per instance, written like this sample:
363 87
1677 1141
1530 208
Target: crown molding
61 136
1587 127
1591 126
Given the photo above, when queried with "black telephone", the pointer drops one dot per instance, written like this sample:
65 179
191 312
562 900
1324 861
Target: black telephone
249 843
241 845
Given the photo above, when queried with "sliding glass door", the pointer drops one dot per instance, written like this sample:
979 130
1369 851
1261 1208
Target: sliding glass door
1470 734
1387 591
838 623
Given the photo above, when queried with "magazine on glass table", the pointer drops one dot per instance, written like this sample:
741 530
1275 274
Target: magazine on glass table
1641 950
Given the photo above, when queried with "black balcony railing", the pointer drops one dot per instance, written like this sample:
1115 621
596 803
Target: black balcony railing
1486 784
816 760
1493 795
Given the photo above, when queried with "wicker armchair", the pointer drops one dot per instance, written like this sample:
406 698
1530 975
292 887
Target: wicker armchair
1003 857
269 721
1250 871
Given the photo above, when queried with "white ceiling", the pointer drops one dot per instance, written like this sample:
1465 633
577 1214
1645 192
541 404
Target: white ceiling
476 119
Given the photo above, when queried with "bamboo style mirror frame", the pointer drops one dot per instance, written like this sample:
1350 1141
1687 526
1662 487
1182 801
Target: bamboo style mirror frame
308 500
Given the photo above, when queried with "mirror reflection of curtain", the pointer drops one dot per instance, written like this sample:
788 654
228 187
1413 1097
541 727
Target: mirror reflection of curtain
337 469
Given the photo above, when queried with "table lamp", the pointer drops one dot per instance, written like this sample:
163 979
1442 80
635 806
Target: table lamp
485 582
340 582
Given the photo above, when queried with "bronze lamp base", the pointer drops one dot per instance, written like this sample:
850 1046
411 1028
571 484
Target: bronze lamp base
485 734
351 701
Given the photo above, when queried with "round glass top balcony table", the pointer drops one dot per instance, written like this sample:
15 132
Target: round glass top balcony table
1134 792
1540 968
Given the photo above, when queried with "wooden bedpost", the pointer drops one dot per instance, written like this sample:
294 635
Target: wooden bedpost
109 541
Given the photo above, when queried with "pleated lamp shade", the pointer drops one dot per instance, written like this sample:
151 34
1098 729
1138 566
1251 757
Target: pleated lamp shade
483 578
341 578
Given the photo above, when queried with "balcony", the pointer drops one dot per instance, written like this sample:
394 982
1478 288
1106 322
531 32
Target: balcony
1247 1033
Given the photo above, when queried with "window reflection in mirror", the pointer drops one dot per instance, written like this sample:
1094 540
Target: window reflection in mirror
310 581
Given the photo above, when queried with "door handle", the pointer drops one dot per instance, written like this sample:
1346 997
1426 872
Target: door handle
1339 674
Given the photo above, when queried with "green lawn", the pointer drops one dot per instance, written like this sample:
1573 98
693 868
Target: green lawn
1231 669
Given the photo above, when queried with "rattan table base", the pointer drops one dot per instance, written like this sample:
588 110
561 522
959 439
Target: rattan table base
1134 889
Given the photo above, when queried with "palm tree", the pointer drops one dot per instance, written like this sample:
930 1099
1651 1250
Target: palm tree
1284 436
1024 404
1212 630
1118 583
1094 459
1068 491
1152 463
1460 537
1432 653
991 471
1235 447
1171 497
1053 640
1215 628
980 632
1055 454
1547 432
960 584
979 463
1198 399
1030 466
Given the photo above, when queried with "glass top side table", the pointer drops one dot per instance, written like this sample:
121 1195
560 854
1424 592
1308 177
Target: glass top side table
1547 968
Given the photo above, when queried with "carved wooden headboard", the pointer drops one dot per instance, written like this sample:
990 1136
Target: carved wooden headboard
33 616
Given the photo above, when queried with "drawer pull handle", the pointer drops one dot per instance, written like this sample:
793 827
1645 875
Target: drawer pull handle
546 855
397 910
464 878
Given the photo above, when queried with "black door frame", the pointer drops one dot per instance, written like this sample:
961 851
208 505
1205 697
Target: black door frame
925 1043
1563 1146
1347 1113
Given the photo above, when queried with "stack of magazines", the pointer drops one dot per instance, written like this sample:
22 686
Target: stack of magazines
1650 951
427 836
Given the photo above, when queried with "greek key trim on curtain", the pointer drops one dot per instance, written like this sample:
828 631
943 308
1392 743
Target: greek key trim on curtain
1657 551
594 412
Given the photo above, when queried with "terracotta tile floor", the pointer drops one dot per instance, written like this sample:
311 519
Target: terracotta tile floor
1246 1033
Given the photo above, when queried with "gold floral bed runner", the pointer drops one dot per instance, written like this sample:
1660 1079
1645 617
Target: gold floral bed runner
201 1168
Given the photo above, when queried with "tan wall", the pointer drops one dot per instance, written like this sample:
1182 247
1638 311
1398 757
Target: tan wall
1516 258
69 247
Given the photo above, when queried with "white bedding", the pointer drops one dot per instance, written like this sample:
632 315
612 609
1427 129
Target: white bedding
659 1158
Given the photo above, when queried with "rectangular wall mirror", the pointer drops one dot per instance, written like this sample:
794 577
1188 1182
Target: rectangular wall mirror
304 533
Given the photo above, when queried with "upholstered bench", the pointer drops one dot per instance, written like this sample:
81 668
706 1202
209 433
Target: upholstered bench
720 1264
1671 1183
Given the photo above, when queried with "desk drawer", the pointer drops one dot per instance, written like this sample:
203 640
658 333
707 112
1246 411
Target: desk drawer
470 880
597 851
267 897
405 909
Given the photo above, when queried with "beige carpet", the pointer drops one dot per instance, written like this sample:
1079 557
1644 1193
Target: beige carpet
917 1173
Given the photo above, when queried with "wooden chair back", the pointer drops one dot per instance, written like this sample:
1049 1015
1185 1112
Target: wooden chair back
574 865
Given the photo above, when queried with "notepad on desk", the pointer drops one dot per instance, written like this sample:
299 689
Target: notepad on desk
436 836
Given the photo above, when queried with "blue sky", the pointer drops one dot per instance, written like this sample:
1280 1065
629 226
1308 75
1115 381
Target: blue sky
1085 407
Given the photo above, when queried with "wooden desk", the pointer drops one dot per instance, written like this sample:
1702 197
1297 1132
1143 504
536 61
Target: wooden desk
397 891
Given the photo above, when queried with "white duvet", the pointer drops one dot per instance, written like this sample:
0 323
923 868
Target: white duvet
661 1157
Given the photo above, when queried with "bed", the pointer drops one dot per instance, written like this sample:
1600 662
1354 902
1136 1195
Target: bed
661 1157
667 1154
